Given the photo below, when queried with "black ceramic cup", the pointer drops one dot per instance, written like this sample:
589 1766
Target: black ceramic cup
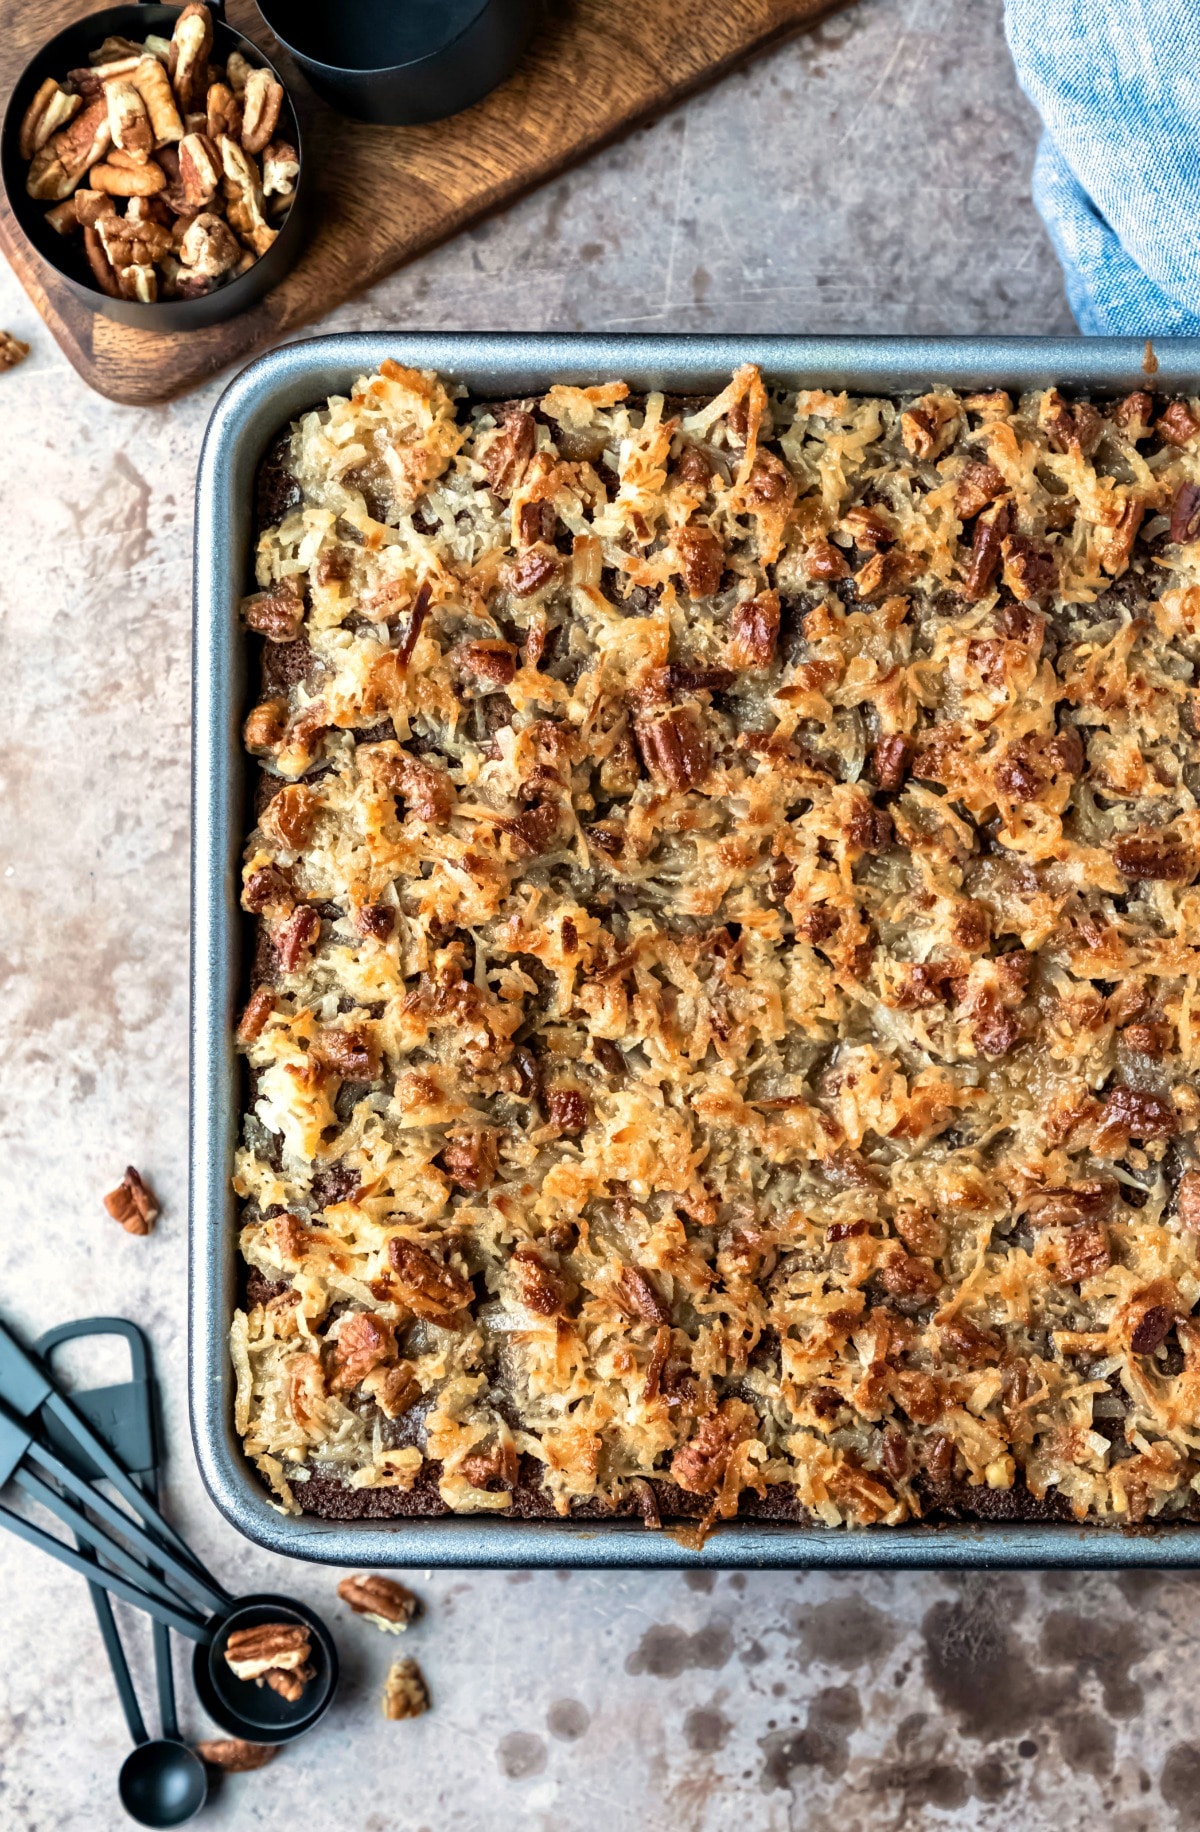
401 62
69 51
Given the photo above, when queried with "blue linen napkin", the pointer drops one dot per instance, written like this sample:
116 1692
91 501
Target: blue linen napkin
1117 174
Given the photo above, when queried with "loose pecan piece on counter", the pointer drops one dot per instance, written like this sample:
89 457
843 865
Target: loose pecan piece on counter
405 1693
234 1755
380 1600
12 350
132 1203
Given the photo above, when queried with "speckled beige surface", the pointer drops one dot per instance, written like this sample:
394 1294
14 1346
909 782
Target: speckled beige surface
871 177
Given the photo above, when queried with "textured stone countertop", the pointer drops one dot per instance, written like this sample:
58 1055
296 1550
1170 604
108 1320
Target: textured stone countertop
871 176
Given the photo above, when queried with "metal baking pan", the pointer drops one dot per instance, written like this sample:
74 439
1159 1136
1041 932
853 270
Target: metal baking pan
255 407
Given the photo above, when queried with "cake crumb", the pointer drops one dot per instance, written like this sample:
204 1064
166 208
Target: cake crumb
405 1694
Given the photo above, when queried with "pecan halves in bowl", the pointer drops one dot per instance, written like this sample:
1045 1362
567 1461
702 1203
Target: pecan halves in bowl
262 100
153 85
191 42
58 166
129 121
50 110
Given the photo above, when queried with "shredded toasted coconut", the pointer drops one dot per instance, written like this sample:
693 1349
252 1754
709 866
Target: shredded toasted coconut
727 1001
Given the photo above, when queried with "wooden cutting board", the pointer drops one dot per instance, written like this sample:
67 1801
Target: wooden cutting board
385 194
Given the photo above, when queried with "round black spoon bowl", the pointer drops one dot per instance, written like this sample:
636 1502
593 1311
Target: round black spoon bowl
242 1707
162 1783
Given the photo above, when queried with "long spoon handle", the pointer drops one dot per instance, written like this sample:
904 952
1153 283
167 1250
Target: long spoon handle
128 1490
95 1537
202 1591
118 1662
184 1624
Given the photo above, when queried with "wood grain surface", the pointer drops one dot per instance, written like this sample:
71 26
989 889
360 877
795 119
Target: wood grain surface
385 194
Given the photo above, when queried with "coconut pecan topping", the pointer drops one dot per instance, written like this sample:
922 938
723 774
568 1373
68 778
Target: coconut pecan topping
723 877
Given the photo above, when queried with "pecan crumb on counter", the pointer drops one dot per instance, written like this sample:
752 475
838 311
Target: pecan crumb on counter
12 350
405 1694
234 1755
380 1600
725 886
133 1204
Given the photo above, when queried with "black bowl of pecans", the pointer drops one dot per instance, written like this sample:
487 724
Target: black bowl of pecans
151 154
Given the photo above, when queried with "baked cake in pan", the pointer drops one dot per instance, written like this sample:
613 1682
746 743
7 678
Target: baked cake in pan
724 1012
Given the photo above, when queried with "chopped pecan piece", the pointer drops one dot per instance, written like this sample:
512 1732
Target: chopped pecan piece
296 937
987 549
754 631
289 1683
389 1605
1135 1113
364 1341
284 1647
694 467
1084 1201
568 1108
1154 1326
432 1291
265 726
869 529
533 570
132 1204
1134 414
868 828
825 562
253 1021
1073 426
534 832
353 1053
536 522
890 758
268 889
699 1466
968 1342
885 573
701 559
490 661
1030 569
905 1278
682 677
1178 424
471 1159
376 919
996 1032
1154 858
770 482
673 748
428 791
405 1694
540 1289
289 816
893 1453
1188 1201
51 108
1185 513
234 1755
637 1296
979 484
508 454
927 425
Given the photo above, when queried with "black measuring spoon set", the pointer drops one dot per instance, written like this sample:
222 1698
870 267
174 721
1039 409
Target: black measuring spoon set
62 1454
